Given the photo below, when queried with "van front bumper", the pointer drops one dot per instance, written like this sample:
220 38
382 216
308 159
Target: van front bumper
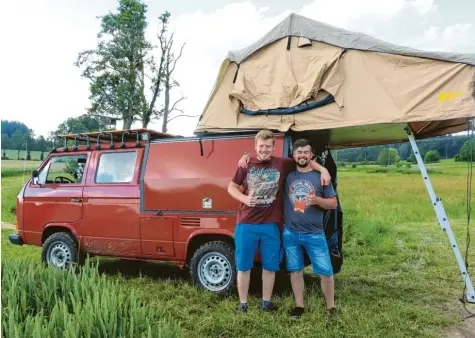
15 239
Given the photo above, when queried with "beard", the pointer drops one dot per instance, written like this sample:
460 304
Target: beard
304 164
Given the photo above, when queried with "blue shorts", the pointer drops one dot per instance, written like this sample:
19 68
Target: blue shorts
248 238
317 250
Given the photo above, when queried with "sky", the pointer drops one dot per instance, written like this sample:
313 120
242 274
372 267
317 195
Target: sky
41 41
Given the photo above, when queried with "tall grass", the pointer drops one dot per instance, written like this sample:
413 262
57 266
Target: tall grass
46 302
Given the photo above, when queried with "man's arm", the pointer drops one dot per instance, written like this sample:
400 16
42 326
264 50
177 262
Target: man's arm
325 203
325 178
236 192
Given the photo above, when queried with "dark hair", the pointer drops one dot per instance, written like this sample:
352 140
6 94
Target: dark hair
301 143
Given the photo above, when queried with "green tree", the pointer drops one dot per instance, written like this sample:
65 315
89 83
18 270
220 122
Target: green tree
116 68
6 144
81 124
41 146
432 156
10 127
360 158
17 141
388 156
404 151
465 151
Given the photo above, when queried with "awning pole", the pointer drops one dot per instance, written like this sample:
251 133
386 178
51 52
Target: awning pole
442 218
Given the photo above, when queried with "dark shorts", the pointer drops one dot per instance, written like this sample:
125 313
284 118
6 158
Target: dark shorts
316 247
248 238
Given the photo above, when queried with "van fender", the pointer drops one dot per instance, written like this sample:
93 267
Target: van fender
209 232
50 226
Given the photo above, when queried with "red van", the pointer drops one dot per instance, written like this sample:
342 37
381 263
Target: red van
141 194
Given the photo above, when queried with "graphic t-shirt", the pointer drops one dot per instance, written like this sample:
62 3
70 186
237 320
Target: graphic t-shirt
299 215
266 179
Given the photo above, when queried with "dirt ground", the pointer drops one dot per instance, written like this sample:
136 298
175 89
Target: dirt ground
466 329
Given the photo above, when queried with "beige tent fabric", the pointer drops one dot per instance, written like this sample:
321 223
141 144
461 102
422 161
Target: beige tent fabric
275 77
371 88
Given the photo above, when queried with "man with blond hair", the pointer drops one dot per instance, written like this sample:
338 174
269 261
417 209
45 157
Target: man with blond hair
259 185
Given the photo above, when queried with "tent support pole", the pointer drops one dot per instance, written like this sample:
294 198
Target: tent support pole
442 218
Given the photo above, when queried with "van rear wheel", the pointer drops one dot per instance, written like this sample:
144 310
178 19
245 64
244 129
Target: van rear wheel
60 251
212 267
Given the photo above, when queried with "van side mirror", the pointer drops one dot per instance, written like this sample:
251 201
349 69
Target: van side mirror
35 177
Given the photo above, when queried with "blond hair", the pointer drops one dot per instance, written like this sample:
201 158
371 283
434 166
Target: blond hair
265 135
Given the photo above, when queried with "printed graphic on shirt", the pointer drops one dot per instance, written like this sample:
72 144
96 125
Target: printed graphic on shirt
265 183
298 192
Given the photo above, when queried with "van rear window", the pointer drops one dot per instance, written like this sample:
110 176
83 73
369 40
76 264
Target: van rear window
116 167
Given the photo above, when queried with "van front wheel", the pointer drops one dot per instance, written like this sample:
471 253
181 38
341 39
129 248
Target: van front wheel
212 267
60 251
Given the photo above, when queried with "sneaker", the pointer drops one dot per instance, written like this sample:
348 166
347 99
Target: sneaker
297 312
269 308
332 312
242 308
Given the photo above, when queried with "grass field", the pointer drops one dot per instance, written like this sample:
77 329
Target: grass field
13 154
399 277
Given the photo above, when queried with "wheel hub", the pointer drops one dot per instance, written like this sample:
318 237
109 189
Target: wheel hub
59 255
214 271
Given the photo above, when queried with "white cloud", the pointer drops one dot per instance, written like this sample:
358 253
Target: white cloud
340 13
424 6
456 31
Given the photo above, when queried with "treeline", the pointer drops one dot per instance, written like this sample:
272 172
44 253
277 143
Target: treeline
18 136
442 147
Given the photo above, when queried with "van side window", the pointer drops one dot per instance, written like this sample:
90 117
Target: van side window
116 167
63 170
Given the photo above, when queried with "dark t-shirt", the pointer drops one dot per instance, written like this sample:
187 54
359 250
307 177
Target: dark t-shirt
267 179
297 186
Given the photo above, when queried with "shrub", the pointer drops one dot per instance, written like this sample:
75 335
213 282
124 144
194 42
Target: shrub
48 302
432 156
10 172
354 165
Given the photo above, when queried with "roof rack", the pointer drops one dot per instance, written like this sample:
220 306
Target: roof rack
109 137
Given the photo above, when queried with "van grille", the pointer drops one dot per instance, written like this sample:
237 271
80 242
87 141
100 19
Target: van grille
190 221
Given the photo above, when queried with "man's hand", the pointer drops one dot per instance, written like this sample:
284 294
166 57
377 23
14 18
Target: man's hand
244 160
312 199
250 199
325 203
325 178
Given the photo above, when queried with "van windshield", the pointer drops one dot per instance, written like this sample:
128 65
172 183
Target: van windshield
63 170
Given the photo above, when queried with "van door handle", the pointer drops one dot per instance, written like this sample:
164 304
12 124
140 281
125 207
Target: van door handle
76 200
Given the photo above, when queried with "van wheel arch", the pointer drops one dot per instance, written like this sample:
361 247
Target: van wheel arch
197 241
48 231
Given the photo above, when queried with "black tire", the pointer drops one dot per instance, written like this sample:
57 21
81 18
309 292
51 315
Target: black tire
60 250
214 262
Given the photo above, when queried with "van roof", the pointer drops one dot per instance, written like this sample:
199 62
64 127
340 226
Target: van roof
117 135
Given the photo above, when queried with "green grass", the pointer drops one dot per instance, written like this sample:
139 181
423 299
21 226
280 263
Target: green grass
13 154
399 277
75 304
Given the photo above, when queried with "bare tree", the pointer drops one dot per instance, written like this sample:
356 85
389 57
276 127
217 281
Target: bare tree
169 83
149 111
162 79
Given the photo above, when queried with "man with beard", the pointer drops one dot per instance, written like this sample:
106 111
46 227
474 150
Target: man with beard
259 187
304 203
